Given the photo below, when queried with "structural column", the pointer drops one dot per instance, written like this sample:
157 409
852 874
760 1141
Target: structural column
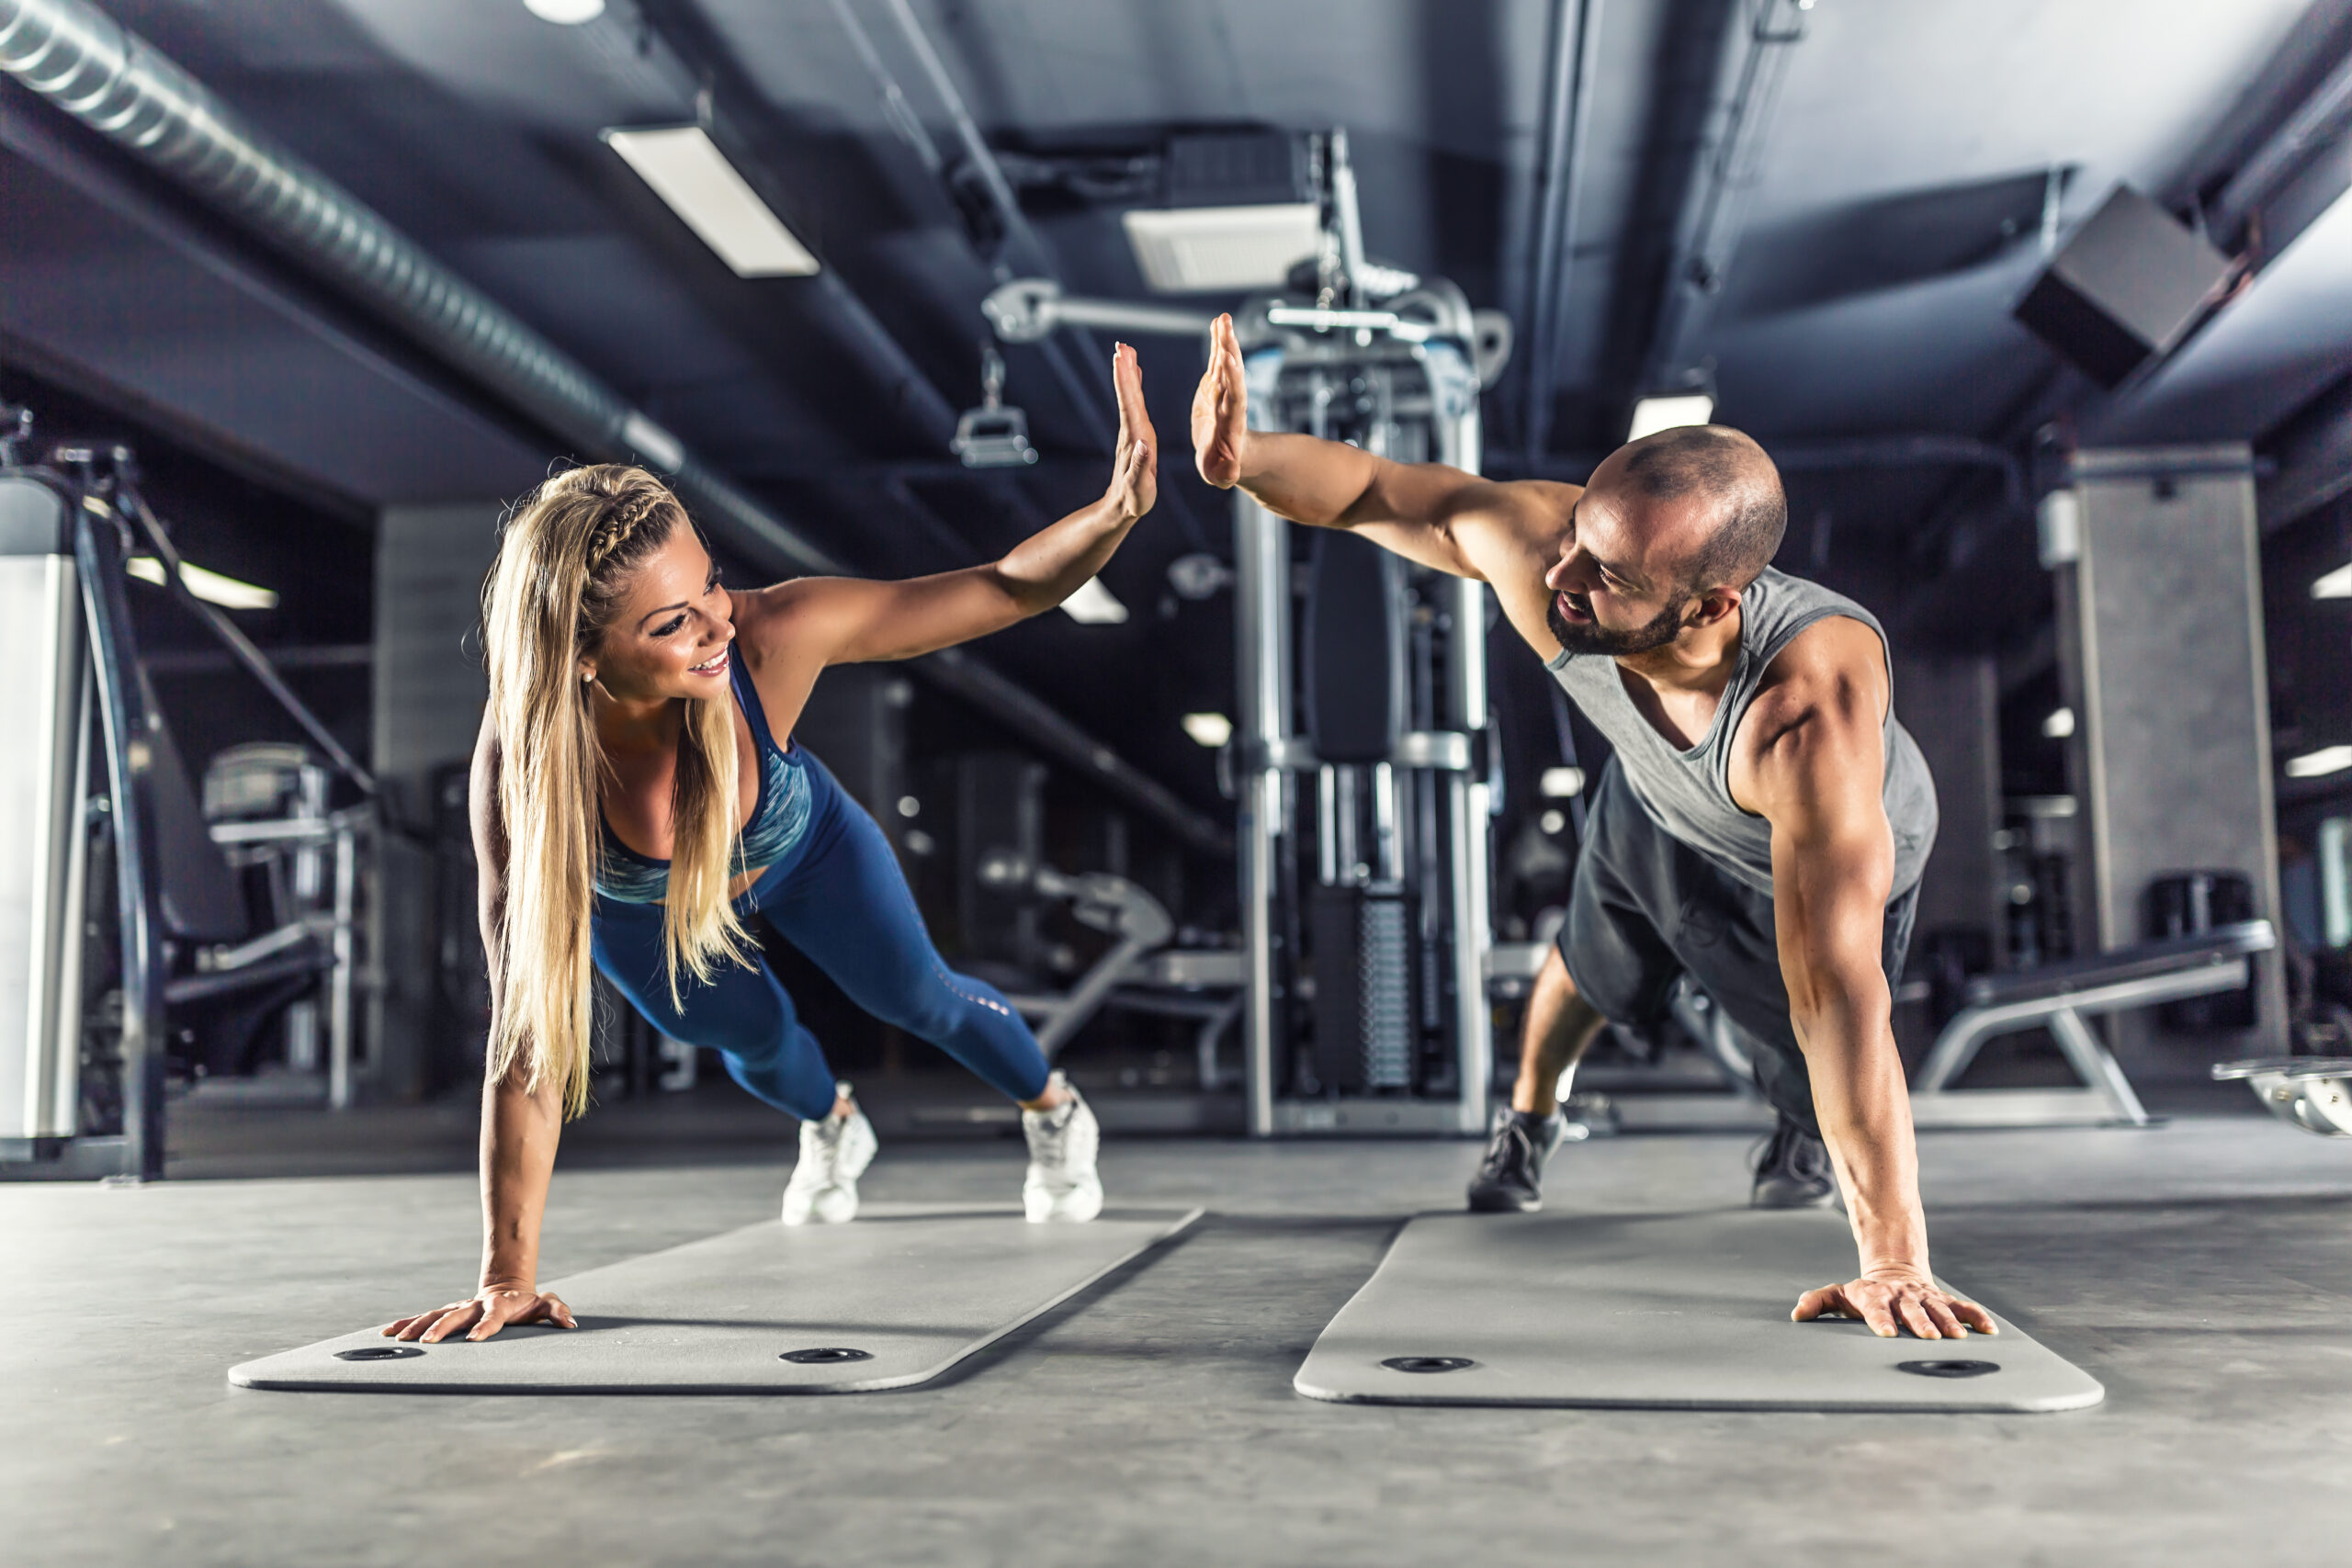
1951 706
2161 648
430 690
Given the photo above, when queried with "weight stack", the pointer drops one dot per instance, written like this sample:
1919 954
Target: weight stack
1364 1013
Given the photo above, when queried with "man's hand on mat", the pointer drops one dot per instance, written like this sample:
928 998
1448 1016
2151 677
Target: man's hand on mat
490 1309
1890 1303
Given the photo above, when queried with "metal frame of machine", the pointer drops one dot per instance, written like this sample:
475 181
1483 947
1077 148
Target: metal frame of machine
1366 353
1398 375
75 521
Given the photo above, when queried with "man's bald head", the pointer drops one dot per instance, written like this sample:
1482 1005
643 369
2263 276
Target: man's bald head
1726 472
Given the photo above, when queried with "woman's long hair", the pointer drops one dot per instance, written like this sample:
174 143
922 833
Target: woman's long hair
565 555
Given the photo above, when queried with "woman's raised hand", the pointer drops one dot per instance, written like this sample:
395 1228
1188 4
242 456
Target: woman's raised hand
1221 410
1135 468
489 1310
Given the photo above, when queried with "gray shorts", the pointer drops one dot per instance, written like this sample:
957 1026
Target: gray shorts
1645 908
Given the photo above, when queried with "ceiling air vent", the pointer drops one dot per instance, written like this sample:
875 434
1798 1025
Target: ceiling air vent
1236 210
2125 287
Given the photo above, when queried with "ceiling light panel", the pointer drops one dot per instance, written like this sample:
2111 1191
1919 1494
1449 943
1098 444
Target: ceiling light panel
209 586
1560 783
1202 250
686 170
1209 729
1094 604
1654 415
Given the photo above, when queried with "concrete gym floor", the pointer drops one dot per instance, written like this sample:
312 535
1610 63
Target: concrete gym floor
2202 1271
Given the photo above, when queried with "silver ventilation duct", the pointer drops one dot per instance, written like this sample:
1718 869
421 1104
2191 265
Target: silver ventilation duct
117 84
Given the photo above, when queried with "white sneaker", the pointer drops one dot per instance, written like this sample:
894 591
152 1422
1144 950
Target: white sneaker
1063 1141
834 1152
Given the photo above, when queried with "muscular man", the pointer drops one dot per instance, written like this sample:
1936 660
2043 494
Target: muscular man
1762 824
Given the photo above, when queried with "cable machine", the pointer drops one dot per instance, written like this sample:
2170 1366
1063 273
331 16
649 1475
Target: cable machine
1362 756
1363 840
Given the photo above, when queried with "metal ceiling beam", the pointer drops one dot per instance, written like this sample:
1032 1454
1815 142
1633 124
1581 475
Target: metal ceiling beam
1757 48
2320 119
1906 452
117 84
982 158
677 45
1088 393
2314 461
1567 118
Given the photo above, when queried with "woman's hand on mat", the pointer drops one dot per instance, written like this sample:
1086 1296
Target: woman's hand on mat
1890 1303
490 1309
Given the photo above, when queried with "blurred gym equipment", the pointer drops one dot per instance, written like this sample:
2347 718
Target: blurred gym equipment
2059 997
131 925
1367 940
1139 974
2313 1092
1099 900
1365 904
992 436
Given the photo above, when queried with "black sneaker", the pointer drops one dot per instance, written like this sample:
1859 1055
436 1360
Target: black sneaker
1511 1180
1793 1172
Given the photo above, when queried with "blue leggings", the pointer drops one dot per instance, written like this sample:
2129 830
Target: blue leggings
839 896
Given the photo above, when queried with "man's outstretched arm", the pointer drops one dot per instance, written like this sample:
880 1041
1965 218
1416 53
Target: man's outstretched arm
1814 767
1438 517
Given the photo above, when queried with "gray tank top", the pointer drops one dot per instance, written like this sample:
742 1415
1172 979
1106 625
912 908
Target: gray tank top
1689 793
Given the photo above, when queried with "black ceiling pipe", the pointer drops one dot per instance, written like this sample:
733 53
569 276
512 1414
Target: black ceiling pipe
1906 452
116 83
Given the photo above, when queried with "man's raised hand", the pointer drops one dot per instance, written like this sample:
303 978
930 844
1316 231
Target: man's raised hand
1135 464
1221 410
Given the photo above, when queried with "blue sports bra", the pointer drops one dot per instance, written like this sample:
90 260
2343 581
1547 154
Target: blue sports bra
779 816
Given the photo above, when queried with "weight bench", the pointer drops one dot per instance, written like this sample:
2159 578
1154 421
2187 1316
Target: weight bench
1108 904
2060 997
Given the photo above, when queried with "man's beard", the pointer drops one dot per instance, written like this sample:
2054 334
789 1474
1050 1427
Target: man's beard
1591 637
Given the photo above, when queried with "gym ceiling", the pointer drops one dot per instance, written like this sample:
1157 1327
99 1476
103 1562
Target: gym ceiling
1879 212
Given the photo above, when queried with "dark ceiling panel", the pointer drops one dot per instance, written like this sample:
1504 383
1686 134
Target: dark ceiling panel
227 355
1885 241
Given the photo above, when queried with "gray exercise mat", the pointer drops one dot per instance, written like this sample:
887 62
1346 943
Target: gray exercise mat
1679 1311
763 1310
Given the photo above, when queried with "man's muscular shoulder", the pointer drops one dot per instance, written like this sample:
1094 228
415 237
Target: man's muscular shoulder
1827 689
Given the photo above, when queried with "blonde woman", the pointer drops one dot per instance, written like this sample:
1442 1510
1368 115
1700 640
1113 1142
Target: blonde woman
638 803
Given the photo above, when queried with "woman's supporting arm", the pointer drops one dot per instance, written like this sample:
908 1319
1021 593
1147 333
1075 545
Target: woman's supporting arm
520 1126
